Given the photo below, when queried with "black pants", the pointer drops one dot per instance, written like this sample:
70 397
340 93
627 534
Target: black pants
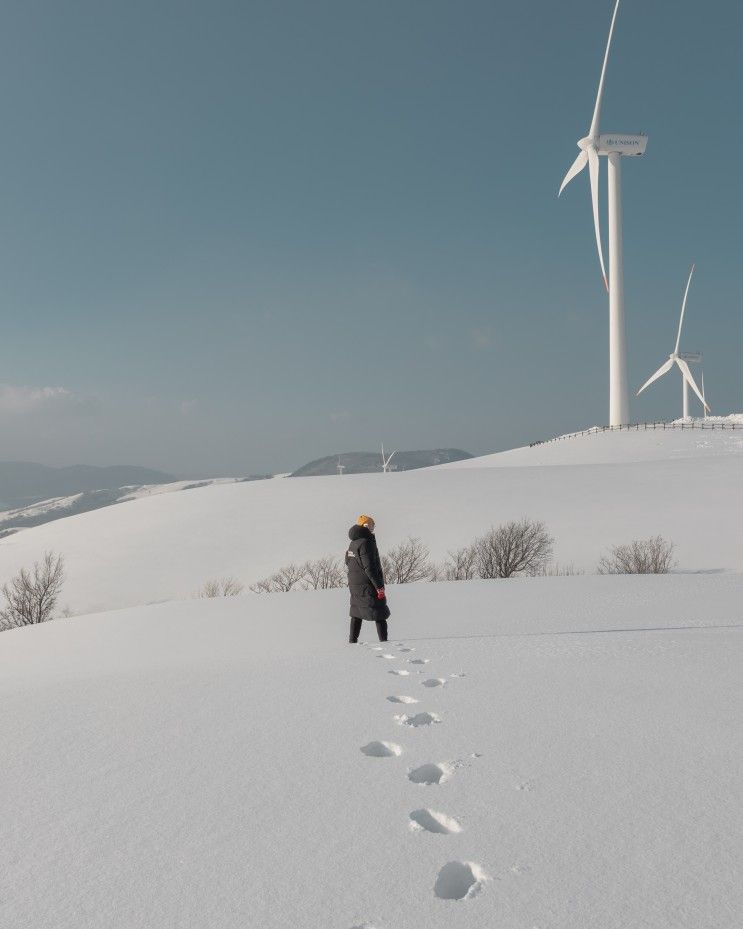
356 629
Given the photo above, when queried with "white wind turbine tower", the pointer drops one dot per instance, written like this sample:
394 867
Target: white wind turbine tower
340 468
614 146
681 359
386 461
704 397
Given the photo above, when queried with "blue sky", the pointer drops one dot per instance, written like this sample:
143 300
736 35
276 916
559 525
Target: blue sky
238 236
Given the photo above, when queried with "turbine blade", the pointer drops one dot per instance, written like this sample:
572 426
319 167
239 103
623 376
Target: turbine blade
663 369
577 166
593 161
687 375
683 309
594 130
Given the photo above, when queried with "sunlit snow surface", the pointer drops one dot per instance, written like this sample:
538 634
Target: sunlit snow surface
592 492
237 764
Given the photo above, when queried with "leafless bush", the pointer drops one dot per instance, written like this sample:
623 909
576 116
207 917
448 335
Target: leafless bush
523 547
31 596
643 556
285 579
554 569
406 563
460 565
323 574
221 587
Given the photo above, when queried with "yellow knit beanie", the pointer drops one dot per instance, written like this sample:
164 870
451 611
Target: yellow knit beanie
364 520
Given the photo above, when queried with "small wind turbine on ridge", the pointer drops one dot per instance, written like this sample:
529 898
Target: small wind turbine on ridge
386 461
681 360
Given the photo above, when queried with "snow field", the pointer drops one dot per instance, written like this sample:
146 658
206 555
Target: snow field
200 764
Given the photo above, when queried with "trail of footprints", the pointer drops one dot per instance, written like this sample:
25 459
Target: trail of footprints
456 880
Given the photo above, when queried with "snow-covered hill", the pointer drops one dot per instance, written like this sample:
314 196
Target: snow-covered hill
553 753
608 489
698 440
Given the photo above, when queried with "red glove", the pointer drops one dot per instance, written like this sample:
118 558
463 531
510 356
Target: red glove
380 593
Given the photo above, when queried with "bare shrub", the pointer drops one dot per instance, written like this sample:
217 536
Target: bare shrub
554 569
460 565
221 587
31 596
323 574
642 556
523 547
285 579
406 563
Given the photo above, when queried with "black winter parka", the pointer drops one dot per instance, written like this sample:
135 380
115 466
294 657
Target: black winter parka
365 575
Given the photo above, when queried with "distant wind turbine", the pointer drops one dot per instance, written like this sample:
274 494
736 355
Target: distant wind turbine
340 468
681 360
386 461
614 146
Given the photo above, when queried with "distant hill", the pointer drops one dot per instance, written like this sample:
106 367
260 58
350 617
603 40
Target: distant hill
23 483
52 508
369 462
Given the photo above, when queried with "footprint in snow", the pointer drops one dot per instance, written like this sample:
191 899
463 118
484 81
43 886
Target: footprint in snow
387 656
432 821
418 660
430 774
377 648
434 682
459 880
406 649
457 675
400 672
402 699
381 749
420 719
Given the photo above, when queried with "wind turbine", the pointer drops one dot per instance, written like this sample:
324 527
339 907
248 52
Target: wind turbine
681 359
704 396
340 468
386 461
614 146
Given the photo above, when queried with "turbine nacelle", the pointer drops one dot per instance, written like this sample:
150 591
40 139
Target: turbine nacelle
615 143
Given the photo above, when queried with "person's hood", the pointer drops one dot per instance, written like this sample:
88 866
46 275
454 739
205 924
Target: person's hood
359 532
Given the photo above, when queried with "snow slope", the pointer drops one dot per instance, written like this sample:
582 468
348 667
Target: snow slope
684 485
200 764
624 447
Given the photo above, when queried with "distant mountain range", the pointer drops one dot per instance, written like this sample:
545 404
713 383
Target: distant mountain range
23 483
369 462
32 494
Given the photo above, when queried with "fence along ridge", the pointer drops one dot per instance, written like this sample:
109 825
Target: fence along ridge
636 427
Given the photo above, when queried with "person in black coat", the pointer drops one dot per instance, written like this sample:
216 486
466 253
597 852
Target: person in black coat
366 580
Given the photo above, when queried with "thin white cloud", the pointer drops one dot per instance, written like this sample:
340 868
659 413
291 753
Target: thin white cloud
19 401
